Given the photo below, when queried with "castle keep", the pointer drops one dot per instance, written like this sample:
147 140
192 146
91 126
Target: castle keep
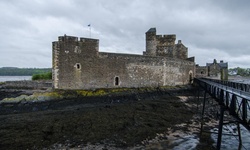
78 64
164 45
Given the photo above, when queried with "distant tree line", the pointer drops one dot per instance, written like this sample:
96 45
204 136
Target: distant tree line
13 71
239 71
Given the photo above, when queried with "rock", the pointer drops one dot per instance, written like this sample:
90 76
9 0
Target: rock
34 109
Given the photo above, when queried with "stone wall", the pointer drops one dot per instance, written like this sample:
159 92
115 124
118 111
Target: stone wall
201 71
213 70
77 64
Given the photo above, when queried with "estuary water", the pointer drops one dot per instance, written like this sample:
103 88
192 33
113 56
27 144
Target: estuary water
230 138
14 78
245 80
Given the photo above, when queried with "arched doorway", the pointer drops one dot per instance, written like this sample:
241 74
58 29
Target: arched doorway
191 77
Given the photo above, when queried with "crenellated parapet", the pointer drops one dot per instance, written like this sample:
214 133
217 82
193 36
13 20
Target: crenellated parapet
164 45
68 52
72 39
74 45
66 38
166 40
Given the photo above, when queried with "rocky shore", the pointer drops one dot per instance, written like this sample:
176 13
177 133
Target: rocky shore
158 118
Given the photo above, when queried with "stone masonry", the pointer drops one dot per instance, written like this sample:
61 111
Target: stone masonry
164 45
213 70
78 64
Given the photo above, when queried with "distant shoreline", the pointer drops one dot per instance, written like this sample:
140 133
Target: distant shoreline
15 78
13 71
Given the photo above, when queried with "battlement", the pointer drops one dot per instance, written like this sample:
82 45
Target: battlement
74 46
164 45
166 36
89 40
152 33
67 38
166 40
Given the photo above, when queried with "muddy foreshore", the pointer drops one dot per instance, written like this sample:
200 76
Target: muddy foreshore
119 121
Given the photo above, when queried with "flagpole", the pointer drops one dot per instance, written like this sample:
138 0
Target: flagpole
89 30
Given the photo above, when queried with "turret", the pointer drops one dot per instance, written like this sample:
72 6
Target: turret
151 42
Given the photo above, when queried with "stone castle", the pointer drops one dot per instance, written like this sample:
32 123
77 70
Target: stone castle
78 64
213 70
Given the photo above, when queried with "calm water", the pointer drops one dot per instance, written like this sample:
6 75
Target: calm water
14 78
231 141
239 79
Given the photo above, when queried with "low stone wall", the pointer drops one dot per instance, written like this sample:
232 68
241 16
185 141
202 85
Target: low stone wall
28 84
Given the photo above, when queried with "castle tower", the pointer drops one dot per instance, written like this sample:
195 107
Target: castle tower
181 51
151 42
69 59
164 45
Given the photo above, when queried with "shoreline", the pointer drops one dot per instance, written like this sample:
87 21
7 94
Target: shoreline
24 98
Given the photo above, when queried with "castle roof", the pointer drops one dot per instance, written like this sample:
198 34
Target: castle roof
152 30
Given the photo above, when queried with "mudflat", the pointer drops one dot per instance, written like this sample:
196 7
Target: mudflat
113 121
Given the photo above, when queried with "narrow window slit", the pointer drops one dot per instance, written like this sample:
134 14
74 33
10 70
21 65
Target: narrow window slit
116 81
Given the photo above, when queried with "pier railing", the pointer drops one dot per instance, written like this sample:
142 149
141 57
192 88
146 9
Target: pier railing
235 100
241 86
231 96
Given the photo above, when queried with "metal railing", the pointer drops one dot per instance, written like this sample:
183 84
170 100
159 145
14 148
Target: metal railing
241 86
236 101
231 96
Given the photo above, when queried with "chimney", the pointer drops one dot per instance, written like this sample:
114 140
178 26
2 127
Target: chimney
221 61
179 41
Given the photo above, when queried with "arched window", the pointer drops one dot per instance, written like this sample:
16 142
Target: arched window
78 66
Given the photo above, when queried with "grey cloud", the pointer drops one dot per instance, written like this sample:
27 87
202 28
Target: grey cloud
215 28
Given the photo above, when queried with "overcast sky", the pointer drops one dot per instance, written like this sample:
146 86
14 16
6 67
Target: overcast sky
210 29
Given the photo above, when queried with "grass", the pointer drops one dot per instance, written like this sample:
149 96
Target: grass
42 76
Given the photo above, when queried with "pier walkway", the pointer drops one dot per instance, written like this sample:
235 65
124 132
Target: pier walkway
231 96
